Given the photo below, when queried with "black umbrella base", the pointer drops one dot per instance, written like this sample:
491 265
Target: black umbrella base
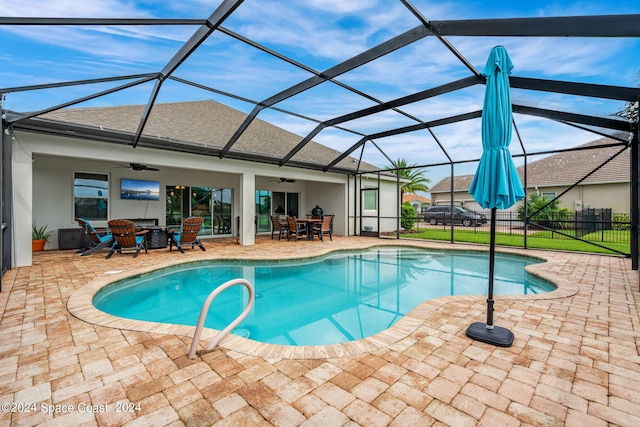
501 337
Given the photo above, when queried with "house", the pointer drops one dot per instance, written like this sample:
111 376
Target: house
59 162
419 203
606 182
80 162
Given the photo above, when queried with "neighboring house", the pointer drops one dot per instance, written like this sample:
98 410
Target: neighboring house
77 162
607 187
420 204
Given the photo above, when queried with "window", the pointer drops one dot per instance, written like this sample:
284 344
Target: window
370 199
90 196
549 196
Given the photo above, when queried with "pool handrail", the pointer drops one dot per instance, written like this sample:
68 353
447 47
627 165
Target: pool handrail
205 310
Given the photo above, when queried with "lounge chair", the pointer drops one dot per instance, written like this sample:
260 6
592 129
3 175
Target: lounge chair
296 229
187 235
323 227
126 237
279 225
98 241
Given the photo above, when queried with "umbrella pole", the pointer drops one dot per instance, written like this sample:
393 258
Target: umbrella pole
492 265
487 332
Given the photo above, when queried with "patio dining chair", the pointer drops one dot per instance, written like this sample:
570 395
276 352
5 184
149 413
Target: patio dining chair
323 227
125 237
279 225
187 235
296 229
97 242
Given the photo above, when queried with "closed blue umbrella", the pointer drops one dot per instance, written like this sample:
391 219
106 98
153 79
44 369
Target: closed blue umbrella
496 184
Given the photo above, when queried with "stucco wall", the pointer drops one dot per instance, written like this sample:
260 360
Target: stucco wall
388 204
614 196
43 167
53 189
332 198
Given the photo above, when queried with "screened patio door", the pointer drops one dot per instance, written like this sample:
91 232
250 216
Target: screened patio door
369 224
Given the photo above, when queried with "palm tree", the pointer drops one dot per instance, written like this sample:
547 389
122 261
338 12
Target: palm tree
414 177
629 111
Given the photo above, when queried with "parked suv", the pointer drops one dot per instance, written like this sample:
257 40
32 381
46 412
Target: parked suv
442 214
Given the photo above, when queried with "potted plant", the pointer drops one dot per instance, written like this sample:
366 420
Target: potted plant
39 237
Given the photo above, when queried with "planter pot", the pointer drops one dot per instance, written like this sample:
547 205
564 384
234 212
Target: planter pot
37 245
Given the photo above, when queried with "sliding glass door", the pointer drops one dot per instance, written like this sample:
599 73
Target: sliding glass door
222 210
214 205
177 204
274 203
263 211
201 206
285 203
293 208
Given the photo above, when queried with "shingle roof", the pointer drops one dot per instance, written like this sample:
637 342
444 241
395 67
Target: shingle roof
563 168
568 167
461 182
204 122
412 197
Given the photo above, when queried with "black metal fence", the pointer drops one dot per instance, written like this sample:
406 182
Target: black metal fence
600 227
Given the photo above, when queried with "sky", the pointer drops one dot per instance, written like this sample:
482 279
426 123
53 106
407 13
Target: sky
319 34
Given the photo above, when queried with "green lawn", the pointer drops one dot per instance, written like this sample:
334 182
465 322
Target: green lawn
608 236
540 240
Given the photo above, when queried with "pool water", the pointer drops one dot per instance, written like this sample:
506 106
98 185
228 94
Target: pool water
336 298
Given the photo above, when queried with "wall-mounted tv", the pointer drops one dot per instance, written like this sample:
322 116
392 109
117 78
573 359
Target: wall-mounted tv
137 189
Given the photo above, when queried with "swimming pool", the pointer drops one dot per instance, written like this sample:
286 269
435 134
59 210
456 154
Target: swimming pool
330 299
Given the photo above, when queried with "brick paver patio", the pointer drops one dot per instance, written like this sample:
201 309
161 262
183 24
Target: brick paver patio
574 361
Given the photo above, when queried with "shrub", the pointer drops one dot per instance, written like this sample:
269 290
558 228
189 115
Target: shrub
618 218
407 216
551 216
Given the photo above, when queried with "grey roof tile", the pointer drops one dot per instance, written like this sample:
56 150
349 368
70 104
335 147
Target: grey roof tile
563 168
206 122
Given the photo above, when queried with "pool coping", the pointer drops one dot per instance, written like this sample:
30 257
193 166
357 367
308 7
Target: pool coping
80 305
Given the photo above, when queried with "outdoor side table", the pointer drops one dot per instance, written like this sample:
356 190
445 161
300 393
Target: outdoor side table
156 238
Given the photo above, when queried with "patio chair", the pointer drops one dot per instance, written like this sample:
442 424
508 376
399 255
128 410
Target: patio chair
296 229
216 224
98 241
279 225
323 228
126 237
220 224
187 235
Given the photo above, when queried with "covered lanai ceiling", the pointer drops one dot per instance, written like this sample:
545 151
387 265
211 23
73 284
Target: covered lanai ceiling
376 80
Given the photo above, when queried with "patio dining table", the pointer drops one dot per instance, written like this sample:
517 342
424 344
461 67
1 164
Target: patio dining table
309 224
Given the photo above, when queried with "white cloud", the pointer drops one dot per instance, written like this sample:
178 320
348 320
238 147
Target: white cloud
139 44
320 34
70 8
342 6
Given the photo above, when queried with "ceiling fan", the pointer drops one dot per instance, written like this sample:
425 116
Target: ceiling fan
283 180
138 167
